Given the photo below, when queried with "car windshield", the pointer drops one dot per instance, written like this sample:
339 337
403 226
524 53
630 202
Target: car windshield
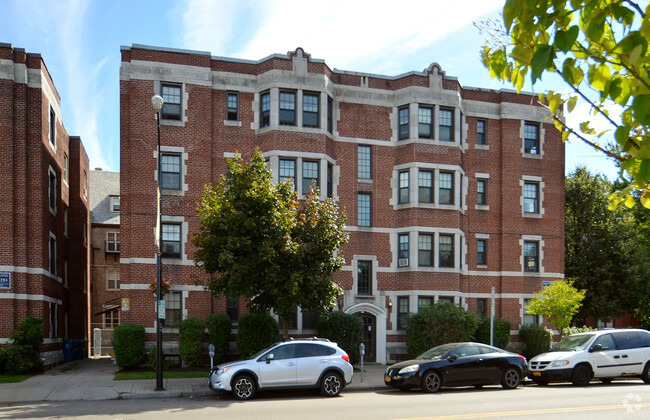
573 343
436 352
259 353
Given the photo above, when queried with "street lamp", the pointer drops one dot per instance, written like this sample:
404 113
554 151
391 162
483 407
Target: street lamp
157 102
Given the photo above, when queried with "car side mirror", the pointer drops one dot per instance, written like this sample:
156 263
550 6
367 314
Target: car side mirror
595 347
269 357
452 357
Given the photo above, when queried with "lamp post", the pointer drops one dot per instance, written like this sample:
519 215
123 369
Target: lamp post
157 102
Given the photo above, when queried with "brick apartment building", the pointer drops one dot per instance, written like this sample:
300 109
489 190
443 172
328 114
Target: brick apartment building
449 191
105 295
44 217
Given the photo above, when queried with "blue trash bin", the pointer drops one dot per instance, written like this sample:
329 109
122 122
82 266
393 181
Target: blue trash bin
68 350
79 349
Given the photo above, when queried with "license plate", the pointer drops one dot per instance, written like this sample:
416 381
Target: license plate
386 378
537 374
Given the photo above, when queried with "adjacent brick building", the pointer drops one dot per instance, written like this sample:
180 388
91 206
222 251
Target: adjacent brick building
451 192
44 217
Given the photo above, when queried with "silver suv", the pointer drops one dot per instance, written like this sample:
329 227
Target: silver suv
300 363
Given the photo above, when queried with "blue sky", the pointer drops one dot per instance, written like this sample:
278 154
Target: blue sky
80 42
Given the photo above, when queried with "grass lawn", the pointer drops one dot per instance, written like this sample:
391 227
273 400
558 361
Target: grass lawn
6 378
150 374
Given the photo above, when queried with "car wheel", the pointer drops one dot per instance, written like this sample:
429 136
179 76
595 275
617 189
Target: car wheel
511 378
431 381
645 376
331 384
243 388
581 375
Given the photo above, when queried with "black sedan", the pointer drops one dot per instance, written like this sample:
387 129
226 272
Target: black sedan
458 364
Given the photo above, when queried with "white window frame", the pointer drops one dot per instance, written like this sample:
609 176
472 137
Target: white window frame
113 275
540 140
115 241
540 196
540 254
51 175
171 150
52 254
115 199
355 271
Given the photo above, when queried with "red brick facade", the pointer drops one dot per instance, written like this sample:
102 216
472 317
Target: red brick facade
420 187
43 258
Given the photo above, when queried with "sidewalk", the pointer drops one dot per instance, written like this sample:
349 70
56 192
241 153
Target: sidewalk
92 379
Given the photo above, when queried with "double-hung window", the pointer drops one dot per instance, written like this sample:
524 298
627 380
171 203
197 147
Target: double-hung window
232 308
287 108
446 188
170 169
330 110
402 312
531 197
403 116
53 254
288 171
52 127
171 240
310 114
481 252
403 187
531 138
363 210
66 168
424 301
52 191
232 106
425 250
446 251
403 252
265 109
446 124
531 256
364 277
113 242
481 192
481 135
173 309
425 122
115 203
171 95
309 176
112 279
528 318
364 162
425 186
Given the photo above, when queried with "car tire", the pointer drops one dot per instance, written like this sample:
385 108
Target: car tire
581 375
331 384
645 376
243 387
431 381
511 378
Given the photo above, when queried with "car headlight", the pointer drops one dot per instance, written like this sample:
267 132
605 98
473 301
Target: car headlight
222 370
558 363
409 369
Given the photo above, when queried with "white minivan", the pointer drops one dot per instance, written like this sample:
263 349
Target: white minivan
602 355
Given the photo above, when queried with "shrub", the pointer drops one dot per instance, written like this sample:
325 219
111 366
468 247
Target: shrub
438 324
17 363
3 359
536 339
128 344
152 359
190 343
219 326
501 332
256 332
344 329
23 355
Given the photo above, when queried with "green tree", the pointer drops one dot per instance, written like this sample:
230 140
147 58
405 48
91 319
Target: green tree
262 243
605 253
599 49
559 303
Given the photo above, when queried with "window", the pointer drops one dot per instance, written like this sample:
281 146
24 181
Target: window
425 186
425 122
403 253
232 308
65 222
52 191
402 312
265 109
112 242
310 114
52 249
292 324
403 116
52 127
531 138
112 318
170 169
287 108
330 188
232 106
85 181
309 176
66 166
446 251
403 187
531 197
364 162
288 171
330 106
529 319
481 192
481 132
171 95
481 252
364 277
85 232
53 320
115 203
481 307
113 279
310 322
363 210
446 191
531 257
171 240
173 309
446 299
424 301
425 250
446 125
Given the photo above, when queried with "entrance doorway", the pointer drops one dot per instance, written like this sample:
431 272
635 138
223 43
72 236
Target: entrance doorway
369 336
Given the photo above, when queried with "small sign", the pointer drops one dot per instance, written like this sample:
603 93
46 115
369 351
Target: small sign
161 309
126 304
5 280
545 284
